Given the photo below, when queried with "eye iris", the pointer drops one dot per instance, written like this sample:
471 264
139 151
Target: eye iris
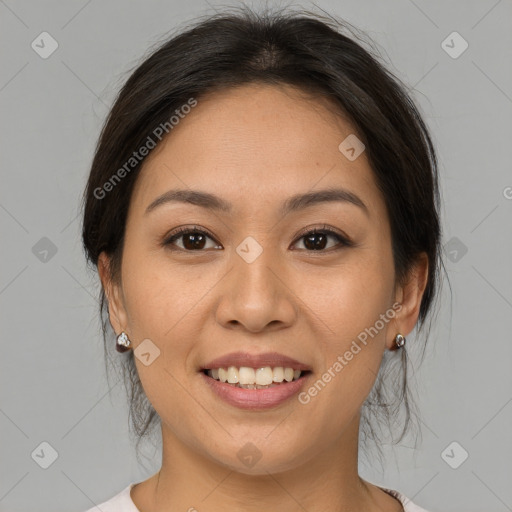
197 241
309 242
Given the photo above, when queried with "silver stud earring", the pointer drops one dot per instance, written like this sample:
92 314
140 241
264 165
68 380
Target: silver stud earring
399 341
123 343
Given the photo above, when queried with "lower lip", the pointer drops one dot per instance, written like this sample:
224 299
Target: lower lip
255 398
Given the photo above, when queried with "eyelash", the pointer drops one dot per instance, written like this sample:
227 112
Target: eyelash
343 240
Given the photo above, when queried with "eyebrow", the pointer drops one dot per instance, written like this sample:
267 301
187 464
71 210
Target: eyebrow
292 204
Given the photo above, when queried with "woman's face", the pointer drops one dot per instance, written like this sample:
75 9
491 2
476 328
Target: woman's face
254 284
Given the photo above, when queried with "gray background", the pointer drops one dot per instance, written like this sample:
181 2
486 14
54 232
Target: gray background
53 386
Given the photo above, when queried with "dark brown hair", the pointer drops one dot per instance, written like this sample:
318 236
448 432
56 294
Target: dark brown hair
316 54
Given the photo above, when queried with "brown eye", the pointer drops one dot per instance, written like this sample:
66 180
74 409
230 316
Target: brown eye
195 239
317 239
192 239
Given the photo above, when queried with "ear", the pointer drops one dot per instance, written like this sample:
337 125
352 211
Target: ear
114 294
409 295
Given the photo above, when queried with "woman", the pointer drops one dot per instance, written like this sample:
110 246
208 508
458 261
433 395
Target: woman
262 210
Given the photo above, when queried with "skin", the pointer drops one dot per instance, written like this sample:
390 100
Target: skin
255 146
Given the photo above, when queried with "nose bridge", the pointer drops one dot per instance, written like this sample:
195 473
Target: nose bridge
255 272
256 293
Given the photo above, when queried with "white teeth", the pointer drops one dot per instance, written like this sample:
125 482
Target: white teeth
247 375
279 374
232 375
264 376
254 378
288 374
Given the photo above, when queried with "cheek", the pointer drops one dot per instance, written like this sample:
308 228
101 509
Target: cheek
157 294
159 309
354 297
356 310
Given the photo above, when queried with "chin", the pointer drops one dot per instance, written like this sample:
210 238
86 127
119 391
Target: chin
252 458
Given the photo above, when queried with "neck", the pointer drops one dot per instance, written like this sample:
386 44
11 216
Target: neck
328 481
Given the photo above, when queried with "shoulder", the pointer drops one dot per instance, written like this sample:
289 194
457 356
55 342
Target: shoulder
121 502
408 505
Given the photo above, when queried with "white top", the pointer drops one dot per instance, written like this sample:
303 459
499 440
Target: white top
122 502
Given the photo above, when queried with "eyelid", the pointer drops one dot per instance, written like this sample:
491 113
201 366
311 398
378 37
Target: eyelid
176 233
324 229
344 240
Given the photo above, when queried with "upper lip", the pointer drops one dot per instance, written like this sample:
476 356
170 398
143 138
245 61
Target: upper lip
272 359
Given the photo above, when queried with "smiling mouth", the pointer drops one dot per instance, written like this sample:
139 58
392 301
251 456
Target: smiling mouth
255 378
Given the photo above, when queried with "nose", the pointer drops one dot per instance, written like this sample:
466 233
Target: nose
255 296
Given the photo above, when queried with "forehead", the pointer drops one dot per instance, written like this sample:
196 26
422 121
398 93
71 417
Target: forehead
255 144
